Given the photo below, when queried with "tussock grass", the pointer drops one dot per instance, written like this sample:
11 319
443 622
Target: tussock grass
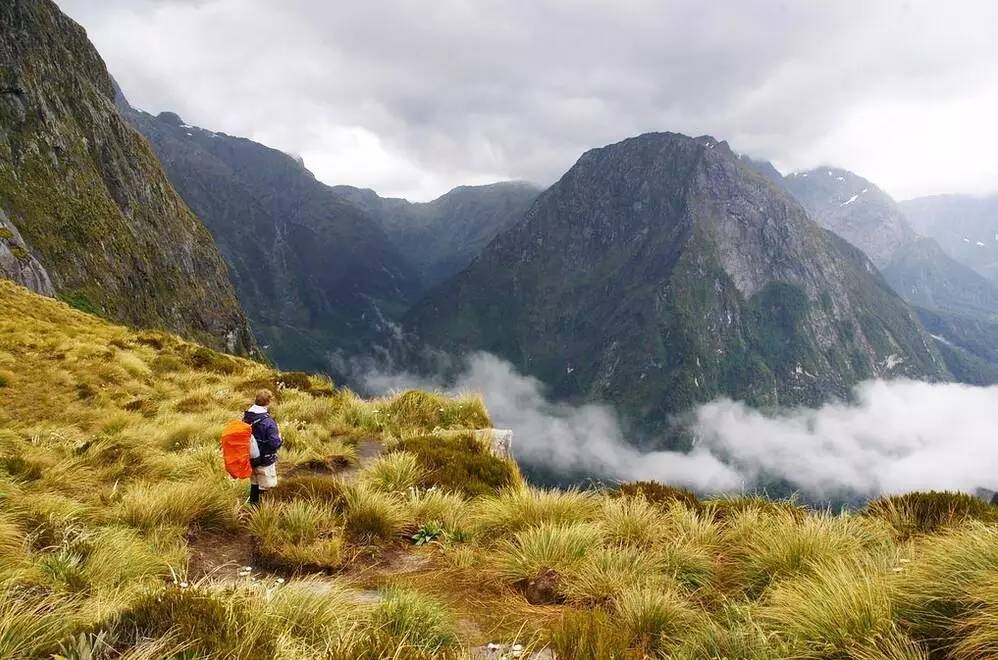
838 605
654 619
515 509
413 623
393 472
297 534
206 505
606 572
912 514
632 521
936 591
372 516
549 546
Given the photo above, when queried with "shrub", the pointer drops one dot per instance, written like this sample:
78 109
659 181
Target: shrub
405 619
393 472
420 411
372 516
460 464
166 364
205 359
926 513
659 493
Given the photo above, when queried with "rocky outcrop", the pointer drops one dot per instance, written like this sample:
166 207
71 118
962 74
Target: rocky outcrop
663 271
90 213
443 236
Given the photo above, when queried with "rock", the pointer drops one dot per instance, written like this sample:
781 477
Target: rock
542 589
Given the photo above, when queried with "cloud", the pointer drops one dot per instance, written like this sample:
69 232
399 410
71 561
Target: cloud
413 98
894 437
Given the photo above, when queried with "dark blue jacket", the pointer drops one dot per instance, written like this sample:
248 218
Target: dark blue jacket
268 437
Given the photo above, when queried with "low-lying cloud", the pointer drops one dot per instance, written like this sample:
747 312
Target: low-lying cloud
893 437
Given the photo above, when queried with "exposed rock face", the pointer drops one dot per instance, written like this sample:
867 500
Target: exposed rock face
317 276
662 271
966 227
89 213
17 264
443 236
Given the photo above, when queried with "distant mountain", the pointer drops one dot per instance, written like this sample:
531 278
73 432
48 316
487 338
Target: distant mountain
855 209
916 266
966 227
317 275
86 212
662 271
443 236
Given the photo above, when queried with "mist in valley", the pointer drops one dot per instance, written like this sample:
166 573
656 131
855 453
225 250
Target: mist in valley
892 437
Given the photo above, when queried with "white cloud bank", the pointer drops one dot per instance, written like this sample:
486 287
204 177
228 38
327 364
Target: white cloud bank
894 437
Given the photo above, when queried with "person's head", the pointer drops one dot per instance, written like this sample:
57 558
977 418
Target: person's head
263 398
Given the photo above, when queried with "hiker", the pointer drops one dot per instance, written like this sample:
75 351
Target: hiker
263 446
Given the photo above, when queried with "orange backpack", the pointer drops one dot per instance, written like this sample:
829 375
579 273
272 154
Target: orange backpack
236 449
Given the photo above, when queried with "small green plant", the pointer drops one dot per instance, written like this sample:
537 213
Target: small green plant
429 533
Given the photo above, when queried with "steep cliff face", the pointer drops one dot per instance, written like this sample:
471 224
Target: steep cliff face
86 211
443 236
662 271
317 275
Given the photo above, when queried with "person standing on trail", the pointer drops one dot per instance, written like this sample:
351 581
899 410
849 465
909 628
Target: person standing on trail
264 444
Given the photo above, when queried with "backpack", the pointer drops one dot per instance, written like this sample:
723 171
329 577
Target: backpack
237 436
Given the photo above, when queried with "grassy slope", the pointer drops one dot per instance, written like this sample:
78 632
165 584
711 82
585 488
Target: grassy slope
110 478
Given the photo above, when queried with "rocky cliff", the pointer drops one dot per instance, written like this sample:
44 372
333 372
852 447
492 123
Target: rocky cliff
663 271
86 212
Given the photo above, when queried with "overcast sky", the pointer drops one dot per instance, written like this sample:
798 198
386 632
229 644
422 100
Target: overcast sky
413 98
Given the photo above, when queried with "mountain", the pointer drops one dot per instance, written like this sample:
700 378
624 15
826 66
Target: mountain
916 266
317 275
443 236
966 227
958 305
86 212
662 271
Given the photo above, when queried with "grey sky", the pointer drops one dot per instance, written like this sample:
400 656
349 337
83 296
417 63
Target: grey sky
412 98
